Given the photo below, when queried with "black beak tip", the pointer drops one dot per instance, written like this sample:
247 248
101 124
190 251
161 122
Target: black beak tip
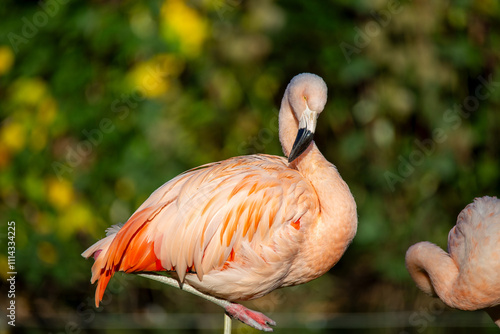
302 141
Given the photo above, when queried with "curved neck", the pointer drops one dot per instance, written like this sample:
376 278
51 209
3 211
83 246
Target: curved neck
288 125
435 273
337 223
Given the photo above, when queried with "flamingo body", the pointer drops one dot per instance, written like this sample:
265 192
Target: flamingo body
467 277
240 228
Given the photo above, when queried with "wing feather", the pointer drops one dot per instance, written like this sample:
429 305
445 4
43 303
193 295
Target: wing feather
201 218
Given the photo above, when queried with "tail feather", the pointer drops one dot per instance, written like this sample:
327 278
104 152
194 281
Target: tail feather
101 287
126 248
98 251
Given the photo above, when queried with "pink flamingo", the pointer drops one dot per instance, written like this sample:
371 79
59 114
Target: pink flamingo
238 229
468 278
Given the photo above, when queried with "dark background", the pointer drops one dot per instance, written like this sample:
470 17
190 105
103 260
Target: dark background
104 101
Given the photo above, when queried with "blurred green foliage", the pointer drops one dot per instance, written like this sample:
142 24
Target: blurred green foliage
103 101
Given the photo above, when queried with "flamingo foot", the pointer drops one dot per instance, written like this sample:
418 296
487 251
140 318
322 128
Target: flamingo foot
253 319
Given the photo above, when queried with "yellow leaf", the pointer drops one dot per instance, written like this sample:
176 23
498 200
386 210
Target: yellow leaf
13 136
76 217
28 90
59 193
152 77
6 59
184 25
143 79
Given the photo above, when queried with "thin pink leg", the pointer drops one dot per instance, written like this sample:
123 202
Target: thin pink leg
251 318
236 311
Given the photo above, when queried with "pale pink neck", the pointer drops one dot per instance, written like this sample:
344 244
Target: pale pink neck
337 223
288 125
435 273
338 218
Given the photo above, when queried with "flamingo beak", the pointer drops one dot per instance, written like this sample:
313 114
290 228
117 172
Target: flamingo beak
307 126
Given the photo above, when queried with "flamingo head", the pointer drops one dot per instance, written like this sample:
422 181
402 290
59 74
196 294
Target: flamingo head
307 95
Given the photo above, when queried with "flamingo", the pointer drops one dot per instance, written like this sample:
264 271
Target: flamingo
468 276
238 229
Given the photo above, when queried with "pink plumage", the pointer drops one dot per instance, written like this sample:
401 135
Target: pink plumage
240 228
467 277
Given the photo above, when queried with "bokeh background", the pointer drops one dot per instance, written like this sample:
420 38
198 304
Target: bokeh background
101 102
